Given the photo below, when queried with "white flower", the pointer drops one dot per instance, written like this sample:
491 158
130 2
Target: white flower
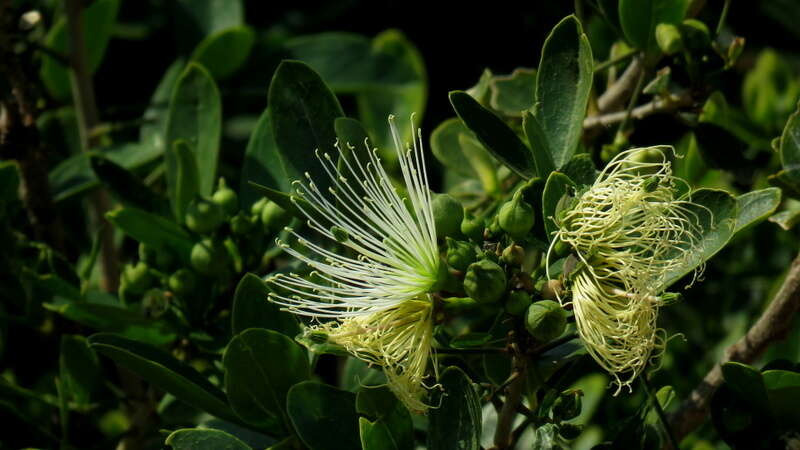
377 294
629 230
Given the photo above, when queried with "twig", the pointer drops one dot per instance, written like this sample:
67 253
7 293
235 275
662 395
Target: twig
656 106
660 412
616 95
553 344
772 326
722 17
614 61
86 111
505 419
637 90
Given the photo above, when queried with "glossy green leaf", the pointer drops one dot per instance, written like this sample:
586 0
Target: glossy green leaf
252 309
556 190
790 142
540 147
563 84
263 164
471 340
204 439
639 19
80 372
357 374
514 93
195 115
165 372
756 206
260 367
226 51
152 133
354 142
153 230
284 200
580 169
783 390
387 423
716 217
183 178
456 423
303 110
494 134
108 318
209 16
747 383
770 91
324 417
127 187
98 24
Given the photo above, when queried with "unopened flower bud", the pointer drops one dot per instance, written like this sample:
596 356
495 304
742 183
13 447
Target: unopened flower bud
447 215
568 405
273 218
516 217
226 198
669 38
155 303
241 224
545 320
137 277
485 281
256 208
203 216
460 254
209 257
513 255
517 302
182 282
147 253
473 227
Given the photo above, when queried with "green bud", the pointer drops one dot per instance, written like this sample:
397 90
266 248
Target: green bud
274 218
203 216
209 257
473 227
568 405
458 304
669 38
569 431
517 302
182 282
241 224
147 253
695 34
460 254
340 234
516 217
513 255
546 320
734 51
485 281
226 198
447 215
137 278
257 206
155 303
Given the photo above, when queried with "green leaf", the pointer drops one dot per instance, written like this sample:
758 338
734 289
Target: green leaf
152 134
152 230
226 51
303 111
387 424
98 22
358 374
130 190
9 182
494 134
790 142
453 143
165 372
562 88
123 321
580 169
471 340
183 178
456 423
80 372
770 91
783 389
263 164
252 309
747 383
285 201
639 19
200 439
540 147
324 417
195 115
512 94
557 188
756 206
716 215
260 367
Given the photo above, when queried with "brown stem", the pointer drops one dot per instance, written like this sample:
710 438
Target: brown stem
503 438
618 93
659 105
88 119
775 322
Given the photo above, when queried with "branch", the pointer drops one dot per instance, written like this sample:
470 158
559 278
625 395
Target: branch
88 119
772 326
659 105
503 438
616 95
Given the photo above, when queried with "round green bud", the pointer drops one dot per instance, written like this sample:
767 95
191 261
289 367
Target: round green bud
241 224
447 215
568 405
696 35
545 320
182 282
669 38
485 281
274 218
209 257
516 217
226 198
155 303
569 431
203 216
513 255
517 302
137 278
147 253
257 206
460 254
473 227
